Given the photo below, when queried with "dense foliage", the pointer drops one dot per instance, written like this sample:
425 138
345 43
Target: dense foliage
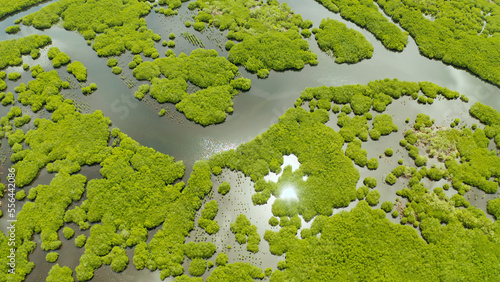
367 15
268 34
78 70
11 51
464 151
347 45
331 175
458 32
245 232
237 271
58 58
114 25
203 68
206 220
8 7
399 253
60 274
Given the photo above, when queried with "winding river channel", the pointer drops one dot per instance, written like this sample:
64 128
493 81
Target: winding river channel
254 111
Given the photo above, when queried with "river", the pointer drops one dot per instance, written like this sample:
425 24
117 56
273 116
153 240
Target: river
254 112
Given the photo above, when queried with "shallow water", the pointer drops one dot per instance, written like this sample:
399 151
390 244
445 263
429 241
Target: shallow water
254 112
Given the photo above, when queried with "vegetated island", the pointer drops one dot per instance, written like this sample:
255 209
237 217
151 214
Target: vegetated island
267 34
347 45
140 188
458 32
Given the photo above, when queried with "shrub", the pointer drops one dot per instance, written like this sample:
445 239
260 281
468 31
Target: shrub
171 36
274 221
78 70
14 76
389 152
494 208
197 267
116 70
146 71
187 24
229 45
68 232
373 197
387 206
80 240
263 73
337 38
361 192
171 44
112 62
306 33
52 257
199 26
395 213
20 195
370 182
390 179
372 164
12 29
224 188
221 259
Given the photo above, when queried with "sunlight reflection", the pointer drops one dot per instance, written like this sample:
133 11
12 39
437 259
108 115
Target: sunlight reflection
288 193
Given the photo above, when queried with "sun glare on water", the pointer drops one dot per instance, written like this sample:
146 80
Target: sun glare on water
288 193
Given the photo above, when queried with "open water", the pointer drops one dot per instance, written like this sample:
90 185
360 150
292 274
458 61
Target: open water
254 112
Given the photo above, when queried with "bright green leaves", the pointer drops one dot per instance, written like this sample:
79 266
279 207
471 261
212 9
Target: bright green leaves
45 215
317 258
272 50
168 91
206 221
346 45
358 155
146 71
459 33
270 37
331 175
69 138
78 70
237 271
383 125
58 58
245 232
208 106
477 164
366 14
124 170
39 91
11 51
116 26
494 208
203 68
131 196
60 274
